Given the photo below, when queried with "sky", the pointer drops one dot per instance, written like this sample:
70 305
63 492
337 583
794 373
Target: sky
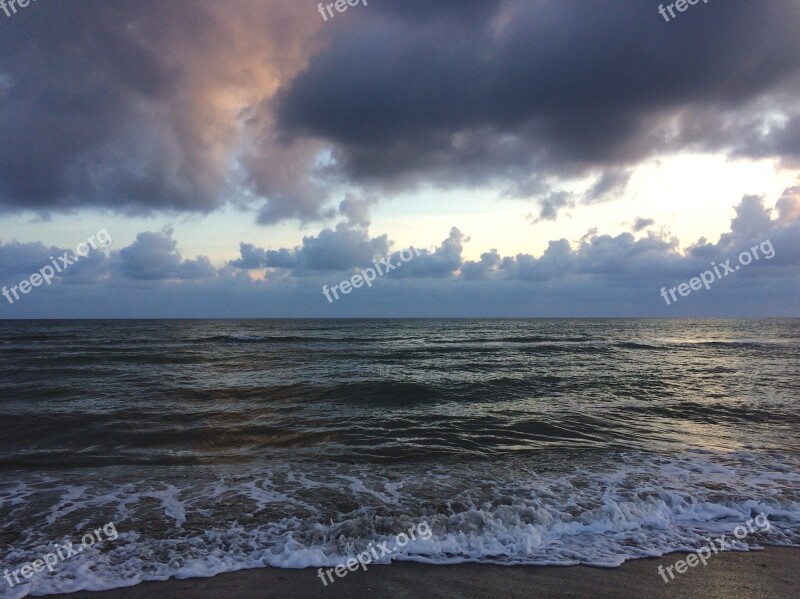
547 158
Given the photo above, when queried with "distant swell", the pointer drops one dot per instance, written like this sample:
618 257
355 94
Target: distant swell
244 338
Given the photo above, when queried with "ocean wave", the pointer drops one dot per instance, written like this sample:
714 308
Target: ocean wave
598 510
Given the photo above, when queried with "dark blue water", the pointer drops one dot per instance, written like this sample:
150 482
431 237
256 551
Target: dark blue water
218 445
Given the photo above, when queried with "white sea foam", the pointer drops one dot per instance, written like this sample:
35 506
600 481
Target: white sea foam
599 510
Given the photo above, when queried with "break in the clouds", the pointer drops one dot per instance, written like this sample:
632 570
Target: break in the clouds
596 275
181 106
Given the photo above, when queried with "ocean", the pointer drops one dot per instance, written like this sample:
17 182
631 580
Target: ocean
214 446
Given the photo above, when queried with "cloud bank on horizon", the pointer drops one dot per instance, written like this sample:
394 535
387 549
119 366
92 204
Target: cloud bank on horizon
599 275
187 108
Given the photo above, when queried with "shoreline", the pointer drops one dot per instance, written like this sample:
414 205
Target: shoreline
772 572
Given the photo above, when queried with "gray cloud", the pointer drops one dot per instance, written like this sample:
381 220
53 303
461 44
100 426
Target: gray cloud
609 186
620 260
24 258
597 275
344 248
642 223
147 106
156 256
356 209
185 106
788 205
442 262
536 89
551 205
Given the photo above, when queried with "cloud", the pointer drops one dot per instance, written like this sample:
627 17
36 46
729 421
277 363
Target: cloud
442 262
147 106
551 204
154 255
344 248
599 275
356 209
484 269
252 257
642 223
609 186
18 259
531 90
789 204
185 106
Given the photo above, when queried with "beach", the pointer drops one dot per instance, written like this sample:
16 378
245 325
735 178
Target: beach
770 573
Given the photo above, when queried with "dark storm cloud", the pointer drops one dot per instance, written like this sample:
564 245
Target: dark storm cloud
459 10
143 106
561 88
77 82
184 106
